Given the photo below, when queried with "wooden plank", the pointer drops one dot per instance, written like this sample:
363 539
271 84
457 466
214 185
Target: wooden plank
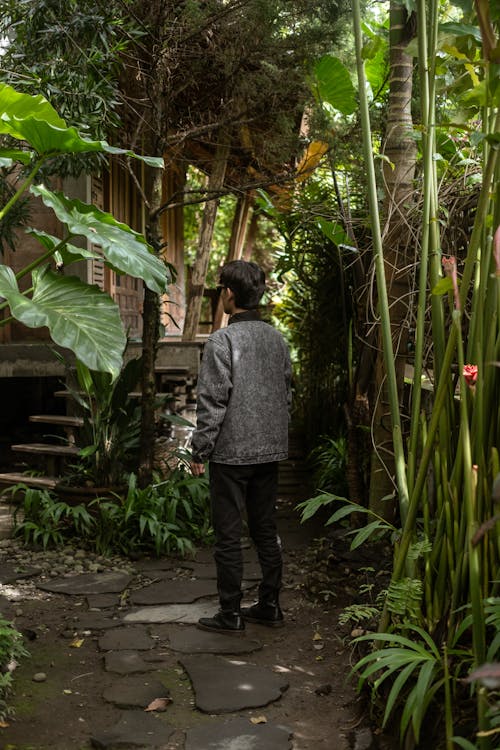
9 478
58 419
46 449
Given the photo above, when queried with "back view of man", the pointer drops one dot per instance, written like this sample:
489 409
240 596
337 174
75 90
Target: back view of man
243 406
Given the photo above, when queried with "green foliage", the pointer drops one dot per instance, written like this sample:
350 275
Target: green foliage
418 670
315 314
334 85
374 529
47 521
11 650
78 316
328 463
165 518
111 426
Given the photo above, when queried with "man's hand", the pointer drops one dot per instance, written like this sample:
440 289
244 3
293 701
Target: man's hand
197 469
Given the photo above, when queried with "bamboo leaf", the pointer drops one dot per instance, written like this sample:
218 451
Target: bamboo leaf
421 690
395 638
366 532
396 689
346 510
462 742
311 506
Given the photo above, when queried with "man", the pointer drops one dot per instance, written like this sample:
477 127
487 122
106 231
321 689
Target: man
243 400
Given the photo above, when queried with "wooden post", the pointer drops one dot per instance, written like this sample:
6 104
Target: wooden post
199 272
236 245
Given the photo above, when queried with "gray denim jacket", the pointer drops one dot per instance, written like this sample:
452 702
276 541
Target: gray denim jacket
243 395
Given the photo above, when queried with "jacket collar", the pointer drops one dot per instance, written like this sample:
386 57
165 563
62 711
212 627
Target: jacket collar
244 316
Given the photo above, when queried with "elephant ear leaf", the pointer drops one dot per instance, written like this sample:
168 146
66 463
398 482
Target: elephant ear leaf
80 317
125 250
334 85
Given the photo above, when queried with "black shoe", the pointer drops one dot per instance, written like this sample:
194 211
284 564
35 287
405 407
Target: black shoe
222 622
264 614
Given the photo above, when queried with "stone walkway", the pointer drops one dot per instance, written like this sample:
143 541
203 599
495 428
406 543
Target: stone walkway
137 625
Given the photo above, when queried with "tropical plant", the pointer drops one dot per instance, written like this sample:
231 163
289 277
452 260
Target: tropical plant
165 518
328 464
111 425
169 517
11 650
48 521
79 316
445 471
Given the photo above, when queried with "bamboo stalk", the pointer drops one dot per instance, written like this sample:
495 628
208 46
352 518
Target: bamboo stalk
389 357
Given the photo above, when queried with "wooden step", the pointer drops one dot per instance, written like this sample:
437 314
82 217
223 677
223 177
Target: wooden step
46 449
43 483
57 419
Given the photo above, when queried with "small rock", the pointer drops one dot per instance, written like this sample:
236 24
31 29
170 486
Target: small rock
80 554
39 677
363 739
357 632
323 689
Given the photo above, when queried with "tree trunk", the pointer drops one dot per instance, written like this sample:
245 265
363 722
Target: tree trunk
236 245
199 273
150 335
400 149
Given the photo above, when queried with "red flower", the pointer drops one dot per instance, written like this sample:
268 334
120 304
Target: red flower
470 374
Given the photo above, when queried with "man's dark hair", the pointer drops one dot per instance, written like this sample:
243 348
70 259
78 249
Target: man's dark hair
246 280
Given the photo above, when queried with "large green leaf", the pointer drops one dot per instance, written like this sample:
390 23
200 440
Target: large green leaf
125 250
33 119
334 84
80 317
66 254
15 104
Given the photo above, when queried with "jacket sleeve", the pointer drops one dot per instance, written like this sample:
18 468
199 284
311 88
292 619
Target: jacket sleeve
213 392
288 383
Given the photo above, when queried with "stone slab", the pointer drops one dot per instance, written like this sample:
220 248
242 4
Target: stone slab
135 692
103 601
179 591
88 583
134 729
251 570
192 641
93 621
153 564
222 686
126 662
126 638
201 569
239 734
10 572
185 613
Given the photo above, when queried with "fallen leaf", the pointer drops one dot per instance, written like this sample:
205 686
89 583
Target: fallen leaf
77 643
159 704
258 720
4 724
67 692
317 637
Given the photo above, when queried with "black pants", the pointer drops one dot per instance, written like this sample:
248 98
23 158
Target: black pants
233 489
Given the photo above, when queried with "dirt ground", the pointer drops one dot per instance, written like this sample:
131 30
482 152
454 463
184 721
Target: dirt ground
321 706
